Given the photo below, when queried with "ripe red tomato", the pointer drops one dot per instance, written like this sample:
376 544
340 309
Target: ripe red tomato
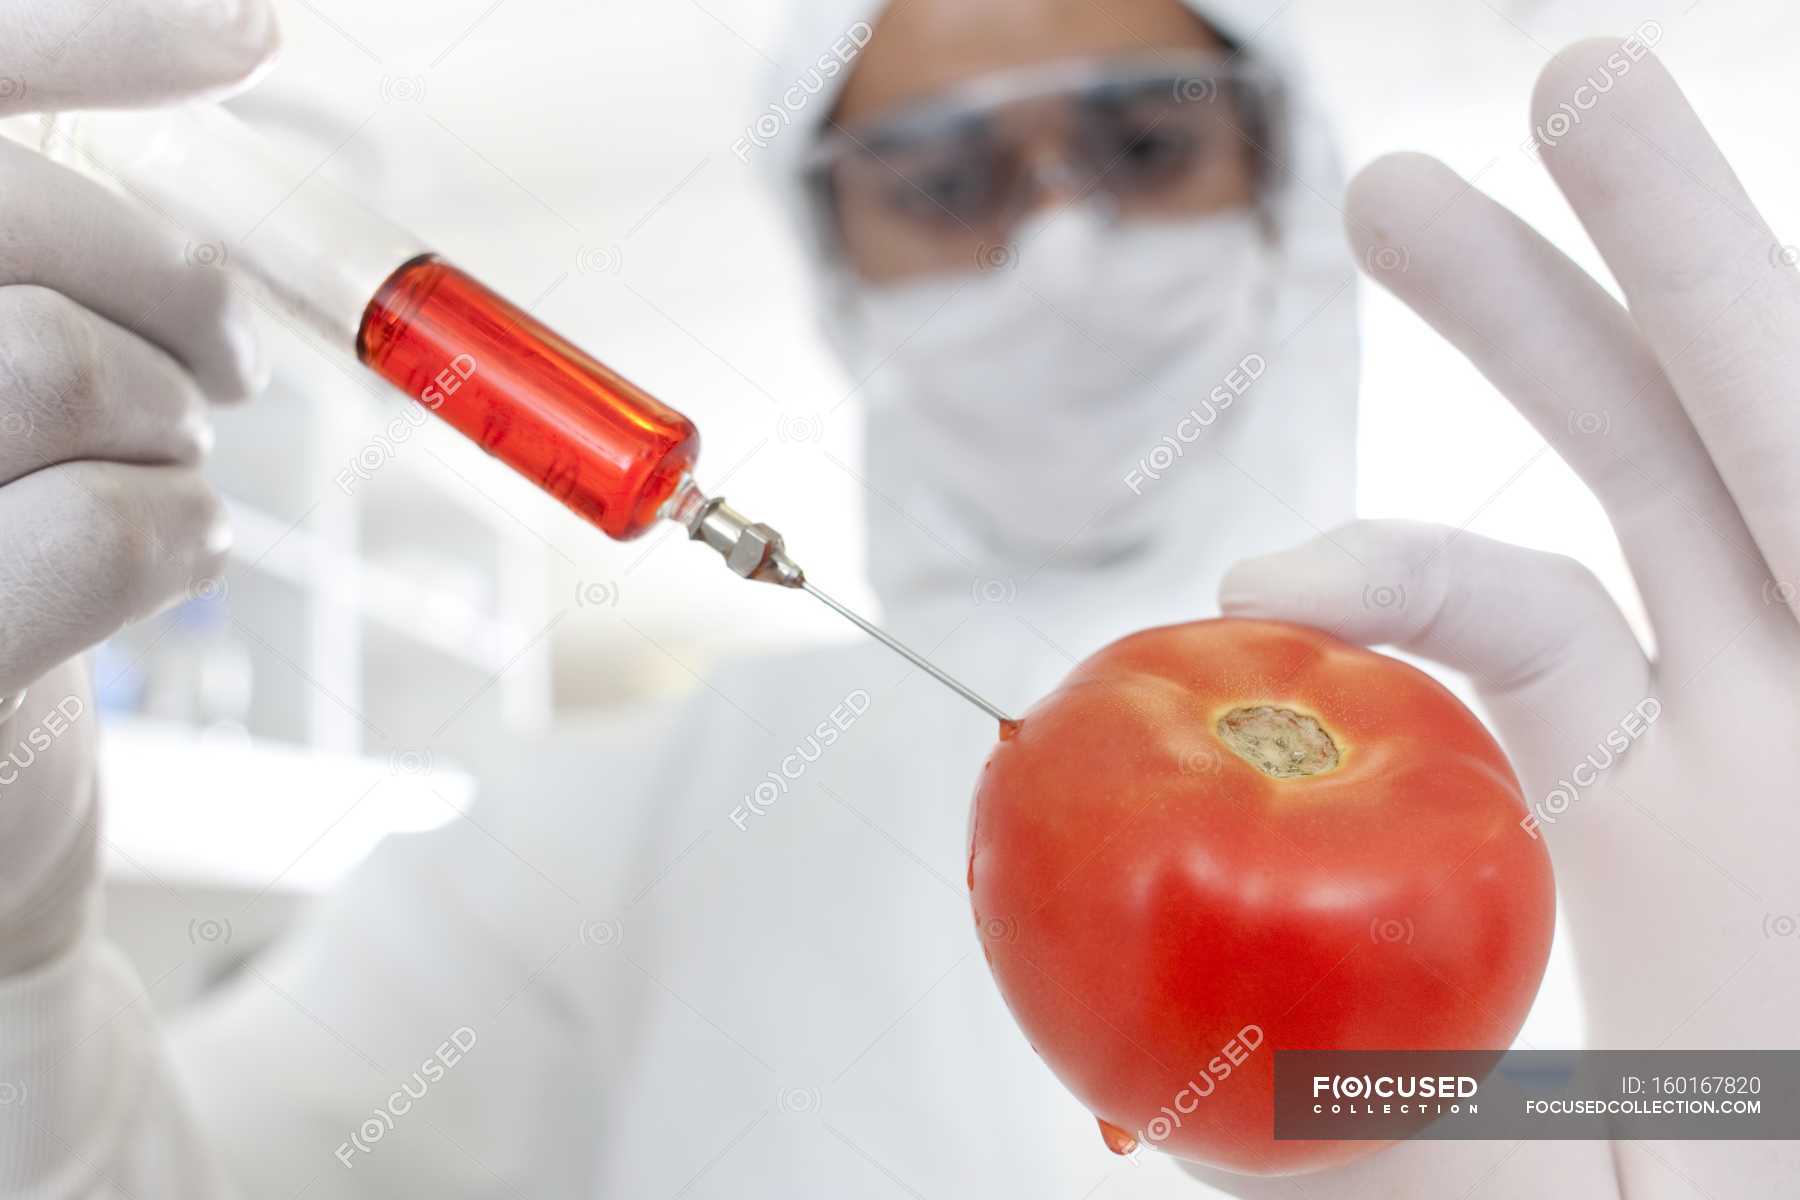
1219 840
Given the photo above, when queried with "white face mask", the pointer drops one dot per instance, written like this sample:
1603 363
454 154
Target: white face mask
1022 396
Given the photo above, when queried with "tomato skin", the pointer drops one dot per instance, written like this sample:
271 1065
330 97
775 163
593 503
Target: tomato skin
1144 895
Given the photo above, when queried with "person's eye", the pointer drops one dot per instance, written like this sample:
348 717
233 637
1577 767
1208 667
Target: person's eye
1157 148
1144 144
947 193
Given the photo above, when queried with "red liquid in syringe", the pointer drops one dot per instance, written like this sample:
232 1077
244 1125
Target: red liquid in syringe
591 438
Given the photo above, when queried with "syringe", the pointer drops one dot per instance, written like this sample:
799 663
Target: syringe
604 447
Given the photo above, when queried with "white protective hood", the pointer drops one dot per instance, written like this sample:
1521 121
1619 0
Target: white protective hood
1277 468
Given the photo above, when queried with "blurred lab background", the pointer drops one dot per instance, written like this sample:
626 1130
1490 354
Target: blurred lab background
589 161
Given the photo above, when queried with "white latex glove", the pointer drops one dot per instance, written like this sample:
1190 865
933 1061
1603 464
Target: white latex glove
111 343
1676 862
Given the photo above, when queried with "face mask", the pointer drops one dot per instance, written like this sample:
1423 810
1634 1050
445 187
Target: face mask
1011 404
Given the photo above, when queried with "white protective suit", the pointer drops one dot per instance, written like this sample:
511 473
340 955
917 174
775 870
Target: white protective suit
637 988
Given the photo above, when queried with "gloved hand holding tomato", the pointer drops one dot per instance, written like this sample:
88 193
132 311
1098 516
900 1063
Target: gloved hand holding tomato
1219 840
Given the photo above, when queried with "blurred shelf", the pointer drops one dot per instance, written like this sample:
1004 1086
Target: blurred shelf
217 809
386 597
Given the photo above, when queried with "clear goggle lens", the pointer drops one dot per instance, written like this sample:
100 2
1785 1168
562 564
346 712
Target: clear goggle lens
1174 136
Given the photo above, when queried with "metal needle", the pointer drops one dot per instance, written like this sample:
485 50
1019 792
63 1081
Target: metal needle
912 656
755 551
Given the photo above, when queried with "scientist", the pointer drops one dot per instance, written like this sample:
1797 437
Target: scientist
1084 261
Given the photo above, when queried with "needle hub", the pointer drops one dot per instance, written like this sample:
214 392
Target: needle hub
756 551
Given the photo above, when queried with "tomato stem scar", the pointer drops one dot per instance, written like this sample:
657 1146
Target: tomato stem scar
1279 742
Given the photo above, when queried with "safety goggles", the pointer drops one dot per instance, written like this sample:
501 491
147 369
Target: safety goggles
1156 135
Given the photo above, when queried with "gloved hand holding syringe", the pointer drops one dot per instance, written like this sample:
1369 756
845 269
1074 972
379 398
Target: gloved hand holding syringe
615 455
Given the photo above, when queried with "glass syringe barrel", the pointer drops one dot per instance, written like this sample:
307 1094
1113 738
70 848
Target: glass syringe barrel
586 435
589 437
